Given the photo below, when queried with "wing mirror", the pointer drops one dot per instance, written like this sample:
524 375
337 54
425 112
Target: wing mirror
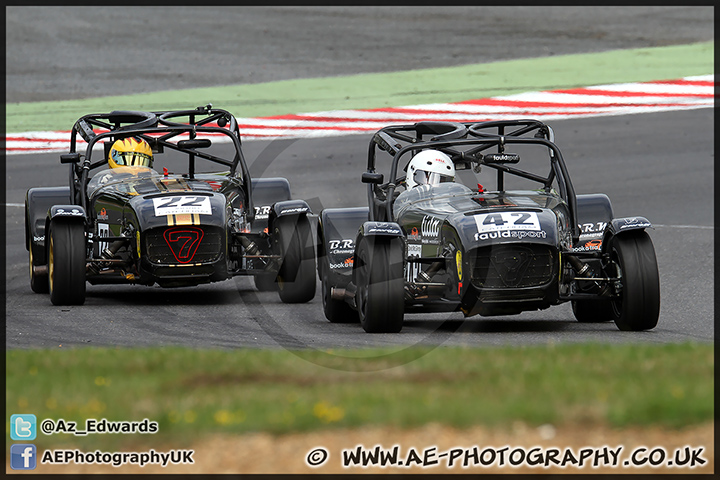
372 177
194 143
70 158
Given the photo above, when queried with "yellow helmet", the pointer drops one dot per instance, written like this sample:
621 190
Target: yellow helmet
130 152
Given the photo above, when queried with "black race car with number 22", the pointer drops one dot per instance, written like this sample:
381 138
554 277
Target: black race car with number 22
200 219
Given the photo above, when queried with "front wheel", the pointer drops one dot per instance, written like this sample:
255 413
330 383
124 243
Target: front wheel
380 284
638 304
66 262
296 276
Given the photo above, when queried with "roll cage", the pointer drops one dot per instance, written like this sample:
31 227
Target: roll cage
448 137
160 130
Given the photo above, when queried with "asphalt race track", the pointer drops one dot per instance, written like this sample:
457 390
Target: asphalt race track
636 160
656 165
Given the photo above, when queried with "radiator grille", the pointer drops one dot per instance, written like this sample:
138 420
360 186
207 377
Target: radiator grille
512 266
190 245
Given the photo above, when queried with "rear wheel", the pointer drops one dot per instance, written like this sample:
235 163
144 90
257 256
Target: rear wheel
66 262
296 276
380 284
638 305
591 311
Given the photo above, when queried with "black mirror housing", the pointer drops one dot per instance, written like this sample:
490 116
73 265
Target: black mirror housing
70 158
372 177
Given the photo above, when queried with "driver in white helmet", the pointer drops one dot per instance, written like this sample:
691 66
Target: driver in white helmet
426 170
429 167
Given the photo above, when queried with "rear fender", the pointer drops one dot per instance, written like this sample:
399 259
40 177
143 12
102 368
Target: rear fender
337 229
37 203
265 193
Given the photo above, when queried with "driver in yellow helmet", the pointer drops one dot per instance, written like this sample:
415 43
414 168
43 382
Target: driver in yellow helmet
128 158
130 152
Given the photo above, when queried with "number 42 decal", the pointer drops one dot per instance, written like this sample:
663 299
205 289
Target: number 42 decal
178 205
492 222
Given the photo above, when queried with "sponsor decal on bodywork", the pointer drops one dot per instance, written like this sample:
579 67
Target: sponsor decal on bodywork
103 231
179 205
591 245
590 228
73 212
294 210
519 234
414 235
412 269
504 221
635 223
262 213
102 214
339 247
383 227
183 242
458 262
508 225
430 229
347 263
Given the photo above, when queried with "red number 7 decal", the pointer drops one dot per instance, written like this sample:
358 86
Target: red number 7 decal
183 242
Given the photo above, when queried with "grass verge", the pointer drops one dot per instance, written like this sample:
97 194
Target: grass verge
191 393
394 89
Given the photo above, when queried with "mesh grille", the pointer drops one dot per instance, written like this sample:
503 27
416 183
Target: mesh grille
512 266
209 247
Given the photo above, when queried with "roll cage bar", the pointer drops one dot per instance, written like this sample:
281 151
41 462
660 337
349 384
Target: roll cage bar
397 140
158 129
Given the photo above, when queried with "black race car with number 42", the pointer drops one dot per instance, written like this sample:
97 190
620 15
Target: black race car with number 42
200 219
434 239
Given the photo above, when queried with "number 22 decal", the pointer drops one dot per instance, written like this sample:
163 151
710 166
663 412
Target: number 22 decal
182 204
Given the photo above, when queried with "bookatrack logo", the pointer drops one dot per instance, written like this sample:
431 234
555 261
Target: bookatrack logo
23 426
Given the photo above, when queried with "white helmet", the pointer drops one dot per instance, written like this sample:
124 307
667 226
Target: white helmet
429 167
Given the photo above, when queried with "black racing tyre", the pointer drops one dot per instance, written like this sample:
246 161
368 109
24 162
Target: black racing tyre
38 283
296 276
265 282
66 262
638 305
337 311
380 284
592 311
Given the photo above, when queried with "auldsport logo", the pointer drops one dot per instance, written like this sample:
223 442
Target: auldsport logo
519 234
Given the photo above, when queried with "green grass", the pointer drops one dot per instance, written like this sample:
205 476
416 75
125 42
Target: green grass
191 393
393 89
